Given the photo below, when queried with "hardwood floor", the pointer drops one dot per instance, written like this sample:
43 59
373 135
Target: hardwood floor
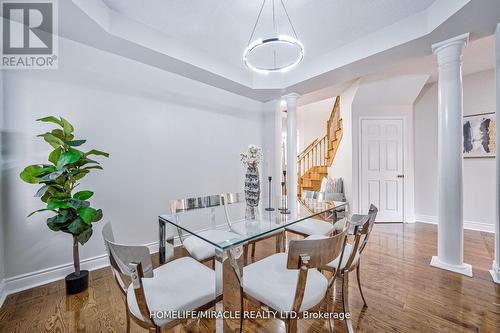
403 292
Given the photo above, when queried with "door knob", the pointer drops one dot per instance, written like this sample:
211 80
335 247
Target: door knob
401 176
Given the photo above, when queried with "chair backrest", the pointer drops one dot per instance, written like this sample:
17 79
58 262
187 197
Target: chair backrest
331 196
121 256
368 226
308 194
107 233
231 199
319 252
208 203
313 253
362 235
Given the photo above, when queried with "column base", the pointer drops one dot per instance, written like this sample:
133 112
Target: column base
495 273
464 269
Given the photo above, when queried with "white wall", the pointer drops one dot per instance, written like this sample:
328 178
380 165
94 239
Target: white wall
168 137
479 173
342 164
311 121
2 194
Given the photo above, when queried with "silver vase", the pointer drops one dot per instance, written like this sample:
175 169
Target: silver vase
252 192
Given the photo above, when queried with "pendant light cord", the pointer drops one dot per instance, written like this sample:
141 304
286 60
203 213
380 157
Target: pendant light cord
274 20
289 20
256 22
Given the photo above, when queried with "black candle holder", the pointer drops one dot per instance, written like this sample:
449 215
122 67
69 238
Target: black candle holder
284 208
270 208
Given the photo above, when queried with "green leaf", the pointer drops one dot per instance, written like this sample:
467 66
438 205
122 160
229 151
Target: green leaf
98 216
42 190
56 203
97 153
68 128
58 133
46 197
68 157
37 211
77 227
79 175
32 173
76 143
93 167
84 236
53 176
52 140
60 221
83 195
77 204
54 156
87 214
51 119
28 177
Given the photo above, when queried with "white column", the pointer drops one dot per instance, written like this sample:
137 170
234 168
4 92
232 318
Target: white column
495 268
450 145
291 151
278 169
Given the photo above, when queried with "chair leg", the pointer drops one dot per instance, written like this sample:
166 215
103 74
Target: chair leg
359 285
128 320
245 255
345 301
242 307
292 325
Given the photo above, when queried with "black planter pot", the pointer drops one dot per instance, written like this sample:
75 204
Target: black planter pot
76 284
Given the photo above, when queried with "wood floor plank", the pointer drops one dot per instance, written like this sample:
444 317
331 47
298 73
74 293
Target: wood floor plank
404 294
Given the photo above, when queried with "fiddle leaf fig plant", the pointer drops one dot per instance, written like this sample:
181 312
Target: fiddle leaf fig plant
59 180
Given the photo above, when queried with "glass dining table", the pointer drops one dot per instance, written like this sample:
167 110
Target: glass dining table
229 252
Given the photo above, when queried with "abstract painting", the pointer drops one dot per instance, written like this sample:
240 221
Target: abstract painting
479 135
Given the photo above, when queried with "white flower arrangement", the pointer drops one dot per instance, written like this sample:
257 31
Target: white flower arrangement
252 157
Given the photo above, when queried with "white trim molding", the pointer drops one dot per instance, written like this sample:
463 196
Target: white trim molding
22 282
470 225
3 293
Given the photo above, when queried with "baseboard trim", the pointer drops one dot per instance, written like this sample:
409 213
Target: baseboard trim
34 279
3 293
470 225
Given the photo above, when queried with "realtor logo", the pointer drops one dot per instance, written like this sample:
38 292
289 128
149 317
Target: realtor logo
28 31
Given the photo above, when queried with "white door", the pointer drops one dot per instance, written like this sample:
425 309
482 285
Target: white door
382 168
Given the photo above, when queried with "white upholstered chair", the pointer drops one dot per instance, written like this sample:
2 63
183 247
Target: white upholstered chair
317 226
195 246
180 285
232 199
360 226
290 281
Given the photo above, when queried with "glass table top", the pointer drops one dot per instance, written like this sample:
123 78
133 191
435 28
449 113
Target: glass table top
239 231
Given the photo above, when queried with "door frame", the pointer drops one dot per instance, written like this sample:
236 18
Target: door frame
360 158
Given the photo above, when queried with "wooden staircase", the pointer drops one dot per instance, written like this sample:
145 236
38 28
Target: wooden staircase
313 162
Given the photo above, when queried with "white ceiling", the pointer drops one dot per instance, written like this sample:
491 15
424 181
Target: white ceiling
204 39
221 28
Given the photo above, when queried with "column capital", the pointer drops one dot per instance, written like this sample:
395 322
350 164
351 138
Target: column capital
451 49
292 97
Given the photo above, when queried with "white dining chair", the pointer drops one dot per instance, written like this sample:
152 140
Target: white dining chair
196 246
290 282
351 258
183 284
234 199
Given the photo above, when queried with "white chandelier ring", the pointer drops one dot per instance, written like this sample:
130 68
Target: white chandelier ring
281 39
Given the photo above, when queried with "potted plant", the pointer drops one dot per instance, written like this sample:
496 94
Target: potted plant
59 179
